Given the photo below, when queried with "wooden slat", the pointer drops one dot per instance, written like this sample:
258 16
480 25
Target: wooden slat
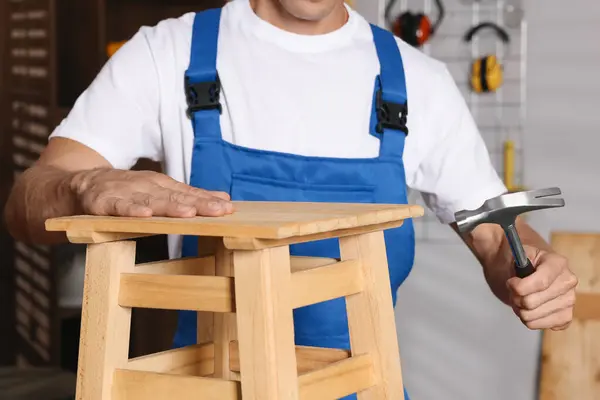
205 320
247 243
196 360
215 294
339 379
307 358
326 283
136 385
225 324
587 307
266 220
301 263
181 266
105 326
177 292
570 359
265 324
91 237
371 318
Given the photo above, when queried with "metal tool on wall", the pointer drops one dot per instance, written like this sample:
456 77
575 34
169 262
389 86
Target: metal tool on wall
414 28
509 157
504 210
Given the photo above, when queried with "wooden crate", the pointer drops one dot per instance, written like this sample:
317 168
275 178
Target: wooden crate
571 359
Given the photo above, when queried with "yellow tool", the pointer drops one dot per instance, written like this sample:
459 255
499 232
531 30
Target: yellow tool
509 167
113 47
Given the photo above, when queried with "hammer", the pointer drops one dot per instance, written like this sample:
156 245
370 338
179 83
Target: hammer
503 210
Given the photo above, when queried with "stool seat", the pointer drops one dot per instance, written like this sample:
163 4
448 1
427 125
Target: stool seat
244 286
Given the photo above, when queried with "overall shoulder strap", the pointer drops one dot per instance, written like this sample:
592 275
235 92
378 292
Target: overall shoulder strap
390 100
202 84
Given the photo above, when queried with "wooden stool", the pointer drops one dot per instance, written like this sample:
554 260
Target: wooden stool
245 310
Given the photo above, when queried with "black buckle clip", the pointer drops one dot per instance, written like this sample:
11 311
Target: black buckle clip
390 115
203 95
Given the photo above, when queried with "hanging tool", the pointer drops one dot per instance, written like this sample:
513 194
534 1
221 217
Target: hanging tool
414 28
503 210
509 167
487 72
113 47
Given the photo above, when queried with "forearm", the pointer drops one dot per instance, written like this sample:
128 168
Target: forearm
490 246
40 193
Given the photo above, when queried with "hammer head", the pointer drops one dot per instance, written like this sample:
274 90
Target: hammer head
504 209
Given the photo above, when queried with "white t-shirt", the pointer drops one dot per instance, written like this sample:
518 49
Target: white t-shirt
306 95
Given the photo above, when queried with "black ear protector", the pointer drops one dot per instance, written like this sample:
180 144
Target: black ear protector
487 72
414 28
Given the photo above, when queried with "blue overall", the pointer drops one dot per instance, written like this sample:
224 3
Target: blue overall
256 175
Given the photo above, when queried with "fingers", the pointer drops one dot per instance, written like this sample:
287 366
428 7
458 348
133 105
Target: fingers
535 300
204 206
164 206
558 320
539 281
176 204
116 206
555 306
176 186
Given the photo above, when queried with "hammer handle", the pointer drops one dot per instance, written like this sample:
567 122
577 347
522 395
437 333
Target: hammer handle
523 272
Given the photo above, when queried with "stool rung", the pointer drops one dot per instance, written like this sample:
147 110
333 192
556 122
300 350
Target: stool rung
138 385
180 266
195 360
200 265
177 292
339 379
215 293
326 283
307 358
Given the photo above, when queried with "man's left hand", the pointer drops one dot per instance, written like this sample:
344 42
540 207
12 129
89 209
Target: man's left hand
545 299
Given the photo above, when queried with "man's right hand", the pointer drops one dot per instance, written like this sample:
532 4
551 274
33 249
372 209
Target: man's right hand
113 192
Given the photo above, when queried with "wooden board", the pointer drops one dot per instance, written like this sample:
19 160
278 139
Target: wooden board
571 358
266 220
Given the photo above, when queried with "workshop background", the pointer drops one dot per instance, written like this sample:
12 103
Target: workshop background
457 341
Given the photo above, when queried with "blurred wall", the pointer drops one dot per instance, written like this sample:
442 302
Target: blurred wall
564 109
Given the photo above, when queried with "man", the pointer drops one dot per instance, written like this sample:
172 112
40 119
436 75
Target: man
283 100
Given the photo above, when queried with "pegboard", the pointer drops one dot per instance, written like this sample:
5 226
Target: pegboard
500 116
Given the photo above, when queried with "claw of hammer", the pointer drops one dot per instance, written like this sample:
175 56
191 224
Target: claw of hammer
503 210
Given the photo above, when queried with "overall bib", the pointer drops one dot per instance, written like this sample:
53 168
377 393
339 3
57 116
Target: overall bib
256 175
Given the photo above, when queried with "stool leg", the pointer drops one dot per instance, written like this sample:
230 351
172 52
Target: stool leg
217 328
265 324
205 320
371 318
104 341
225 329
